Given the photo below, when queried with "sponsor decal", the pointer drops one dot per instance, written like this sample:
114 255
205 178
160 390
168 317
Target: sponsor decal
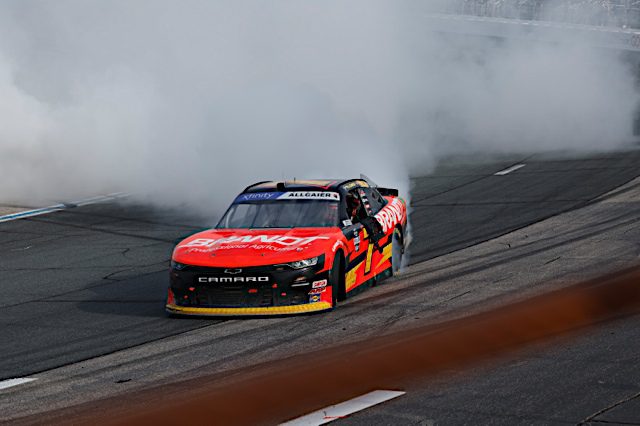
293 195
310 195
365 200
319 284
314 298
347 222
259 241
257 196
350 185
356 239
209 280
392 214
317 291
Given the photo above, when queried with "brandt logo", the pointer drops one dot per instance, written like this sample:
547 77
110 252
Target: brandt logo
232 271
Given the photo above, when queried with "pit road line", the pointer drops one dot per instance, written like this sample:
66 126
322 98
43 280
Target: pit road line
509 170
63 206
4 384
344 409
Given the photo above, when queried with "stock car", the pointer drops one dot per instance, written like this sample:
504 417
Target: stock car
290 247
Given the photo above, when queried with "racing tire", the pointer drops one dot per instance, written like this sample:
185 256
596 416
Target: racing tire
397 250
336 280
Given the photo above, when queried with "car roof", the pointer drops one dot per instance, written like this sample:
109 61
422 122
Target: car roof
332 185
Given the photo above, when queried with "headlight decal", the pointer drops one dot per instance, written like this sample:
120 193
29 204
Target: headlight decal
299 264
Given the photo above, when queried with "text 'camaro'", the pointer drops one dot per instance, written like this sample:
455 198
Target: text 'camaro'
290 247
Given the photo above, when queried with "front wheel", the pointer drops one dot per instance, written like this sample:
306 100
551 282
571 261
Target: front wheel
397 250
336 281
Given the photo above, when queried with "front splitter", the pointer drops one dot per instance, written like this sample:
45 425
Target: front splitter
272 310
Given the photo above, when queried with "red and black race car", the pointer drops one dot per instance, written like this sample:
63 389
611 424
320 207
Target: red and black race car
290 247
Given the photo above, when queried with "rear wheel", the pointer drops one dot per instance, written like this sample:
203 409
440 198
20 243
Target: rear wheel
397 250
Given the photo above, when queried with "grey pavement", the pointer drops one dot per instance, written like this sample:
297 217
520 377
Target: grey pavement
84 289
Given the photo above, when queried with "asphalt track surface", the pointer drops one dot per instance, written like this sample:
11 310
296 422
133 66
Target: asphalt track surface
91 281
463 204
590 380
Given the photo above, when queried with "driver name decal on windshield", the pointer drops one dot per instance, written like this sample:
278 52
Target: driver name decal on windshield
293 209
310 195
293 195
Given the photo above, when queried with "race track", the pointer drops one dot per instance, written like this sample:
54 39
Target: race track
84 288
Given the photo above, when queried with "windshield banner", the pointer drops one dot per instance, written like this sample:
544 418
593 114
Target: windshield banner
293 195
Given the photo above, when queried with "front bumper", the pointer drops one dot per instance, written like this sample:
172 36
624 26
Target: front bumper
264 290
274 310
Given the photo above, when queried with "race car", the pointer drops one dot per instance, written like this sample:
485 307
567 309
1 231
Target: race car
290 247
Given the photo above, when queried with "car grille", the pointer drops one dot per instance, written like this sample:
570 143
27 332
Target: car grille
252 270
232 296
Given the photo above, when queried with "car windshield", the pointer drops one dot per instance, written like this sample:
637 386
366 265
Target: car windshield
281 214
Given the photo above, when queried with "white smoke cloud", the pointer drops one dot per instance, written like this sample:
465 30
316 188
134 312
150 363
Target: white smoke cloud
515 96
188 102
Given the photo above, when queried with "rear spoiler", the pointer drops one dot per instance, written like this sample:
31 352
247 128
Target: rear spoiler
388 192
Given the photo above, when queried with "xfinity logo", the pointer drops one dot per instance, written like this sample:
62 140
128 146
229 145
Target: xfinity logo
257 196
207 280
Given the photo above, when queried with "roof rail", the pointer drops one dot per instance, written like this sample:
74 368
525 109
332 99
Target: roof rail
256 184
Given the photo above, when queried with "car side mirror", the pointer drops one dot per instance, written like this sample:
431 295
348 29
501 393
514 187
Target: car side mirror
346 223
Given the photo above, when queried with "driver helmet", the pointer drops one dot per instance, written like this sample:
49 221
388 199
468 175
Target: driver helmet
353 204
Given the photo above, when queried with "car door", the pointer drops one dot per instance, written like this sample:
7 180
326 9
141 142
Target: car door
379 243
359 259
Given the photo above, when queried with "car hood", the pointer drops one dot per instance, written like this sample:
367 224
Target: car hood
253 247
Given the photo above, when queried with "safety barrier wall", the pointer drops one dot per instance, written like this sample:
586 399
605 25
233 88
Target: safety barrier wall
607 13
626 39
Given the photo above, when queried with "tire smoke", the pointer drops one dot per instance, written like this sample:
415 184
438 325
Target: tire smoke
185 103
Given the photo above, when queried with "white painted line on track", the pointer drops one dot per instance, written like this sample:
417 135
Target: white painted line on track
338 411
63 206
510 169
15 382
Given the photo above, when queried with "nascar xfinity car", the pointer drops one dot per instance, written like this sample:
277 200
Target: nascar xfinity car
290 247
